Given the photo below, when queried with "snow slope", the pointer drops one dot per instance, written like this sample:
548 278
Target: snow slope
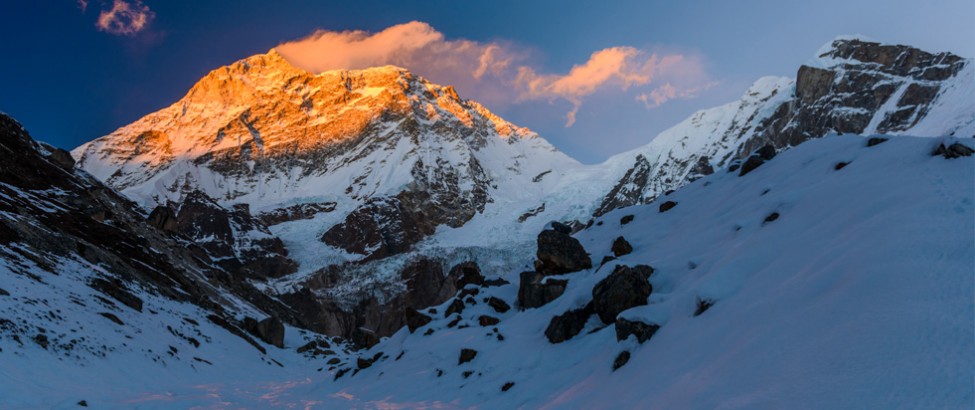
859 295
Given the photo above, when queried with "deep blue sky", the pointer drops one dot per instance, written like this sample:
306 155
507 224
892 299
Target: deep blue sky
69 83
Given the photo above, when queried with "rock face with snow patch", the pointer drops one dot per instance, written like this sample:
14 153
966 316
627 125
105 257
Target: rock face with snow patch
852 87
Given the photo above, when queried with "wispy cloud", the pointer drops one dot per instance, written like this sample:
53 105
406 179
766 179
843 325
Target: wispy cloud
125 17
498 72
83 5
666 92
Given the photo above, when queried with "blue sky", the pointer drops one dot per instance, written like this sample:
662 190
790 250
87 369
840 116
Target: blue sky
70 81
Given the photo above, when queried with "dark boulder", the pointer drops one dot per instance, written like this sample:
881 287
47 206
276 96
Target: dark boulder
567 325
456 306
757 158
269 330
642 331
702 306
415 319
955 150
466 355
621 247
666 206
875 141
486 320
507 386
560 253
621 360
623 289
771 217
467 273
534 291
497 304
626 219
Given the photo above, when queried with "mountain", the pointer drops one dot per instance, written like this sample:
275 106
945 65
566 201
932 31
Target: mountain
355 195
206 255
852 86
804 282
93 293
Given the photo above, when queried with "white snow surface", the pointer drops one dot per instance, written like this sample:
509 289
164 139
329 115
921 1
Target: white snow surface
858 296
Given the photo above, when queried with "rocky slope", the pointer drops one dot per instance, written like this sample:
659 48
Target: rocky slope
87 279
852 86
366 188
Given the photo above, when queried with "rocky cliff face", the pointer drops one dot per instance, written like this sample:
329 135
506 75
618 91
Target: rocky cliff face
852 86
59 225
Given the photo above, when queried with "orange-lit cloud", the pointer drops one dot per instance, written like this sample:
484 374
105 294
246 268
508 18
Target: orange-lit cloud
496 72
124 17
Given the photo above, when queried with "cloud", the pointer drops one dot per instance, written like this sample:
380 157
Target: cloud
666 92
83 5
126 17
497 72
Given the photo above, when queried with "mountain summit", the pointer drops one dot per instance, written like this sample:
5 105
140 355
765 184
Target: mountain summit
263 131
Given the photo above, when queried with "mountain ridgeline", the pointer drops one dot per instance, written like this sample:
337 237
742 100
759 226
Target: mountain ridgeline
352 194
275 229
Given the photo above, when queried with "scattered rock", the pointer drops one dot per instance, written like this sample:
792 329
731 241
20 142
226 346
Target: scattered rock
507 386
560 253
771 217
4 293
455 321
428 332
83 403
468 291
486 320
621 360
269 330
534 291
642 331
624 288
875 141
567 325
467 273
363 363
332 361
341 373
757 159
666 206
41 340
466 355
490 283
415 319
702 306
955 150
497 304
113 318
456 306
621 247
624 220
467 373
840 165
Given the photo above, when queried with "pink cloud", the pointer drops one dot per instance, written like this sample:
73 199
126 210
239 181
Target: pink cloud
124 18
493 72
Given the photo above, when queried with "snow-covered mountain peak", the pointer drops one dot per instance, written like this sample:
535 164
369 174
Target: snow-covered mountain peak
263 121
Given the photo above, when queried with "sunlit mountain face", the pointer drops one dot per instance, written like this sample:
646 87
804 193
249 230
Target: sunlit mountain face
402 217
